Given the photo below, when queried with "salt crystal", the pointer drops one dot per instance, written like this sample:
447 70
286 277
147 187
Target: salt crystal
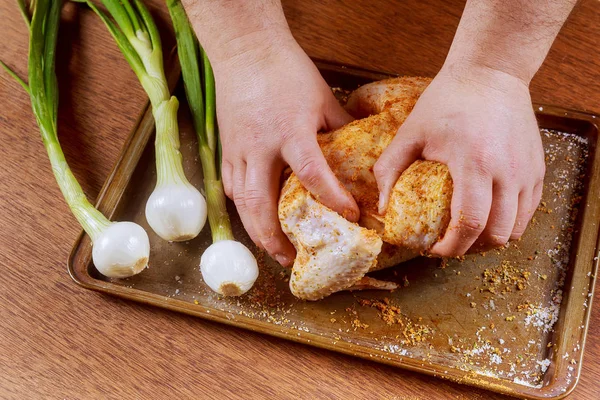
525 383
495 359
544 364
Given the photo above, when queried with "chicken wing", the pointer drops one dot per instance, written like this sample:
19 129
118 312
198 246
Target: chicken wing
332 253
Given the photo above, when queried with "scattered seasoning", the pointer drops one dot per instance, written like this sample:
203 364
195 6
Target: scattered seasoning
412 333
504 278
405 283
509 284
357 324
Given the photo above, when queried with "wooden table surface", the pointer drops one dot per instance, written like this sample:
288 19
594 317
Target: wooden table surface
60 341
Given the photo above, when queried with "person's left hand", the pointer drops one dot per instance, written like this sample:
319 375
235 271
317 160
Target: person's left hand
480 123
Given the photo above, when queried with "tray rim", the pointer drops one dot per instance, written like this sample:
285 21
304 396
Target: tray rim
139 137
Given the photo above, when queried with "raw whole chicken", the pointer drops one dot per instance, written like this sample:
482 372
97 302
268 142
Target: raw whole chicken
334 254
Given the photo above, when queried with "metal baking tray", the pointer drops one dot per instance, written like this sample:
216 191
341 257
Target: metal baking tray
512 321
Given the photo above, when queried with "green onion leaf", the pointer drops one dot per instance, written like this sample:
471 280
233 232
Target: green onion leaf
15 76
187 50
121 16
133 17
210 103
50 81
146 17
120 37
198 75
24 12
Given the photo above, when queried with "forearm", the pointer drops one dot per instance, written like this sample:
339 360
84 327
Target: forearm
228 28
510 36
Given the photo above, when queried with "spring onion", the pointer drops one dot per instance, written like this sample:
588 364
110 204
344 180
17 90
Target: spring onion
227 266
120 249
175 210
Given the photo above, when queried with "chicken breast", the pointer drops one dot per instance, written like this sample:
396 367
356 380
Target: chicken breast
335 254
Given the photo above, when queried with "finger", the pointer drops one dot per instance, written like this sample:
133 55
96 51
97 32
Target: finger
305 158
262 193
227 176
470 208
398 156
524 214
335 115
536 197
239 191
501 220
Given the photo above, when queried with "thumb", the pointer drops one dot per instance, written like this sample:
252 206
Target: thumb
405 149
304 156
335 115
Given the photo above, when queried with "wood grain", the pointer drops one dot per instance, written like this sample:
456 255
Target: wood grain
60 341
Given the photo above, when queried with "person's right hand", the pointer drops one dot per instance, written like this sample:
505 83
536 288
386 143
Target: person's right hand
271 102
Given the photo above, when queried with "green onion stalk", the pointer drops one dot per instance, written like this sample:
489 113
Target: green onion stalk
227 266
175 210
120 249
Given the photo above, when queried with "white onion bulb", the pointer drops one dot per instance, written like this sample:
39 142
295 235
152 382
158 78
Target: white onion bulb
229 268
176 212
121 250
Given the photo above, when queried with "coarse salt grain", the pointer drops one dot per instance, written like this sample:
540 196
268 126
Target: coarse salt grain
544 364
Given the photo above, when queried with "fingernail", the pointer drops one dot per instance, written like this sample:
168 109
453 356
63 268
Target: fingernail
283 259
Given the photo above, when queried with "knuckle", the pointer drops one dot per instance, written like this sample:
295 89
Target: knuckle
270 242
482 162
381 167
511 168
498 240
516 234
521 225
451 251
227 187
309 170
286 134
255 200
471 224
239 200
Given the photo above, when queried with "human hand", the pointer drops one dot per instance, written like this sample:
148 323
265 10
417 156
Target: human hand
271 102
480 123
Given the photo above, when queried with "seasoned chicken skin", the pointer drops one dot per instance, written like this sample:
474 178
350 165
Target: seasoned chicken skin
335 254
332 253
